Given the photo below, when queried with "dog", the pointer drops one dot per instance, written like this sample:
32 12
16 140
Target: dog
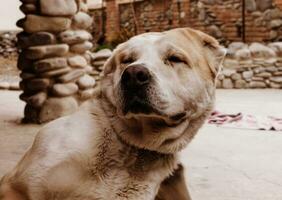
156 92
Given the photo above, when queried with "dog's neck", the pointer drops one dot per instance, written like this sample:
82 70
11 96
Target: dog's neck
136 159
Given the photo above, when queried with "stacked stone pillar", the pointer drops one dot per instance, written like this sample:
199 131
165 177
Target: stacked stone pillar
54 59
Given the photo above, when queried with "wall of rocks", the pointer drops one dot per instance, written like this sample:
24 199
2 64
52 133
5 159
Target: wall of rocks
263 20
8 44
98 60
127 18
98 28
221 19
54 59
252 66
146 16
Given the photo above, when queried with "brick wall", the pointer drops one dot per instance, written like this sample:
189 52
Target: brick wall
112 19
278 3
99 24
222 19
149 16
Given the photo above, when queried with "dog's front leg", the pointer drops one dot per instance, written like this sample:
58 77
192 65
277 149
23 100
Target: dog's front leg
174 187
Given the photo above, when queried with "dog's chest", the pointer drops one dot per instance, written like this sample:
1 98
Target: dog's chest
123 172
119 184
112 170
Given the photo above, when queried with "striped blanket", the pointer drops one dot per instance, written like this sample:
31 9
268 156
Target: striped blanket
245 121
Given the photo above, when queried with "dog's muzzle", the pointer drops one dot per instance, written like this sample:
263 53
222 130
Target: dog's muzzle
135 82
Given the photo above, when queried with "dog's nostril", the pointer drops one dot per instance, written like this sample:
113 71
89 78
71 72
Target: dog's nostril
142 77
126 77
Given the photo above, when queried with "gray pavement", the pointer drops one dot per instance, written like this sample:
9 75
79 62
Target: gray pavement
221 163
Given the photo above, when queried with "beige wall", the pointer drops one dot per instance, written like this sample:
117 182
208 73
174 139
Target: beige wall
9 14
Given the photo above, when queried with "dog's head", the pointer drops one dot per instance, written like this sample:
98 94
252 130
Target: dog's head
161 82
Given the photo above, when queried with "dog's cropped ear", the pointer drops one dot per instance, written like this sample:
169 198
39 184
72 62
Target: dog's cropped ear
214 52
110 65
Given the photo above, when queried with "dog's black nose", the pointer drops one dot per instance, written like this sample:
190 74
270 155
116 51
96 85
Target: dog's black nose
135 76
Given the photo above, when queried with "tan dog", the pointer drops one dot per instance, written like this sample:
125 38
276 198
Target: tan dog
157 90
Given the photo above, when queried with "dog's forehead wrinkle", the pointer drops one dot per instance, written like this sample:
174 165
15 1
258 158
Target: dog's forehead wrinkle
139 51
148 37
144 41
153 46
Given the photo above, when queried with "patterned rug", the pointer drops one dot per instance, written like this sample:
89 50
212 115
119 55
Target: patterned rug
245 121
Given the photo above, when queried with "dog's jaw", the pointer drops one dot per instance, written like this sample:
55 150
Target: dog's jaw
147 133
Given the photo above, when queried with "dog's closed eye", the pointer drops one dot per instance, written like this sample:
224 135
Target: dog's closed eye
127 60
175 59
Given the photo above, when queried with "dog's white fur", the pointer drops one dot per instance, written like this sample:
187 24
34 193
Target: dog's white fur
101 152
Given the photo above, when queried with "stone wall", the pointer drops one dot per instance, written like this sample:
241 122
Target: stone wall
8 46
252 66
143 16
98 27
54 61
263 20
224 19
146 16
221 19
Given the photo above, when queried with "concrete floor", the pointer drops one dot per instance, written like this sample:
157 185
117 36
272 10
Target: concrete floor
221 163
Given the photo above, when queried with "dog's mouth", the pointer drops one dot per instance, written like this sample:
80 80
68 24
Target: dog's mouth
136 105
140 107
